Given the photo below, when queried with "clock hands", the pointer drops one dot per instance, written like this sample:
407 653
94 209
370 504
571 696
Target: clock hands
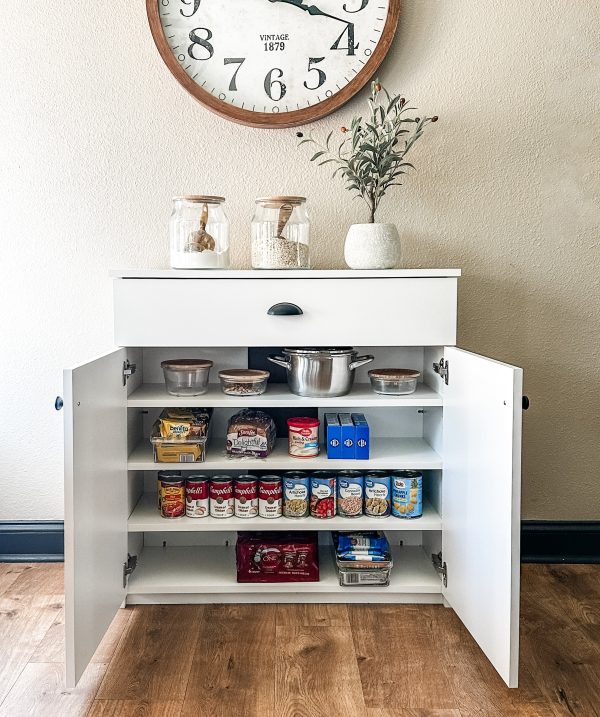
310 9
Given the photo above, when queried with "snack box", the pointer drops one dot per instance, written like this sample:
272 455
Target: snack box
361 437
333 435
182 424
347 427
279 557
181 451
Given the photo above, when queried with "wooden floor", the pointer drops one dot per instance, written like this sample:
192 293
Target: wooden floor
301 661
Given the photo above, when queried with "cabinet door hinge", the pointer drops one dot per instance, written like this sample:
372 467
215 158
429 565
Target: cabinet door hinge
128 371
442 369
440 566
129 567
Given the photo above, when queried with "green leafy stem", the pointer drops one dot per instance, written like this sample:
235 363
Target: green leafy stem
371 158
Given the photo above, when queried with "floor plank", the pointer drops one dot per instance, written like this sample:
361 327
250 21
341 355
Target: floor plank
116 631
40 692
312 615
43 579
9 572
24 620
400 712
234 663
316 673
396 649
134 708
155 655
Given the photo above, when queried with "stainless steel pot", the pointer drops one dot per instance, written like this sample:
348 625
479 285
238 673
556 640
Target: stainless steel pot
320 372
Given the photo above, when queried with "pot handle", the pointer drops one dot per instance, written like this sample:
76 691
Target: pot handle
279 360
361 361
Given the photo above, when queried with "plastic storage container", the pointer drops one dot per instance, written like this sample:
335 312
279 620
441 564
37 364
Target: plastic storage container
186 377
280 234
199 233
244 381
395 381
192 450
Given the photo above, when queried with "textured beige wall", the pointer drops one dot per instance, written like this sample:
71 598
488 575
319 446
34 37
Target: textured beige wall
97 136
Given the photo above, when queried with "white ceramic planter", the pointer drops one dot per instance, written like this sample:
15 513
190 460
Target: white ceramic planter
372 246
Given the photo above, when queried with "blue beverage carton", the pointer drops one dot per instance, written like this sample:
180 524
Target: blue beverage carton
347 435
333 435
361 437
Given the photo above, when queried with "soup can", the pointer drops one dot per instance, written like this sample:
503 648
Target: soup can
270 497
378 503
196 496
322 494
245 494
165 475
171 496
407 494
350 494
296 492
221 497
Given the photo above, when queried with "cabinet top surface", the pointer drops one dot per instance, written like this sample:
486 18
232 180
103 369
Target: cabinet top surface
287 274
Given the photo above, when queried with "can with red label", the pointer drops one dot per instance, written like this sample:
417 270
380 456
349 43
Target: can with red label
196 496
171 496
245 494
270 497
221 497
322 494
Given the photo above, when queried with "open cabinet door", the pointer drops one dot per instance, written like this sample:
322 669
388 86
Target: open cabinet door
95 504
481 499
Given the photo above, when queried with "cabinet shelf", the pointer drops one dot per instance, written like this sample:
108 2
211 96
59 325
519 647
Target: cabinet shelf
145 518
386 453
211 571
154 395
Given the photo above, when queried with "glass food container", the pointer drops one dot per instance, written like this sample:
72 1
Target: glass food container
280 234
396 381
199 233
186 377
244 381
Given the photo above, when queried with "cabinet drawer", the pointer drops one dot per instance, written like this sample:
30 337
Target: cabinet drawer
234 312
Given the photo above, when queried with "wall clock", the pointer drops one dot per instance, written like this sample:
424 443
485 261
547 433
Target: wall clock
273 63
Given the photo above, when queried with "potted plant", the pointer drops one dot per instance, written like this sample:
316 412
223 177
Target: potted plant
371 160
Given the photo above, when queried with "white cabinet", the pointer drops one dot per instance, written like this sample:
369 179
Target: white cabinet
463 434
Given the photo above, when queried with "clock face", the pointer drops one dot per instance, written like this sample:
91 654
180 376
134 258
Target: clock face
273 62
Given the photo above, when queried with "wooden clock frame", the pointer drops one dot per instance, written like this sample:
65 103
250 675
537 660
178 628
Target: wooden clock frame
268 119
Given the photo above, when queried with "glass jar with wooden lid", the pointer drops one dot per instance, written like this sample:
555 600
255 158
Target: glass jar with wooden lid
280 233
199 233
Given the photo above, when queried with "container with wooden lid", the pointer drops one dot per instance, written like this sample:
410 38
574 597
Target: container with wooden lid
280 233
244 381
186 377
395 381
199 233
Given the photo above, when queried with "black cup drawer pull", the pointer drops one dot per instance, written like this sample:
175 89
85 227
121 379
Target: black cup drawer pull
285 309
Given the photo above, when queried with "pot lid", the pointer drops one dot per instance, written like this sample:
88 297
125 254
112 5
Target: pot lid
244 375
186 364
394 374
320 351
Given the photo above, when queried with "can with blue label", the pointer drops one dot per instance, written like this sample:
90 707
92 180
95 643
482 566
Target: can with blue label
350 494
296 493
407 494
378 497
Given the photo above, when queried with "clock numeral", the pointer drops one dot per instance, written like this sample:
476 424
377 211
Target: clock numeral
363 5
202 41
322 75
270 83
189 2
239 61
349 31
